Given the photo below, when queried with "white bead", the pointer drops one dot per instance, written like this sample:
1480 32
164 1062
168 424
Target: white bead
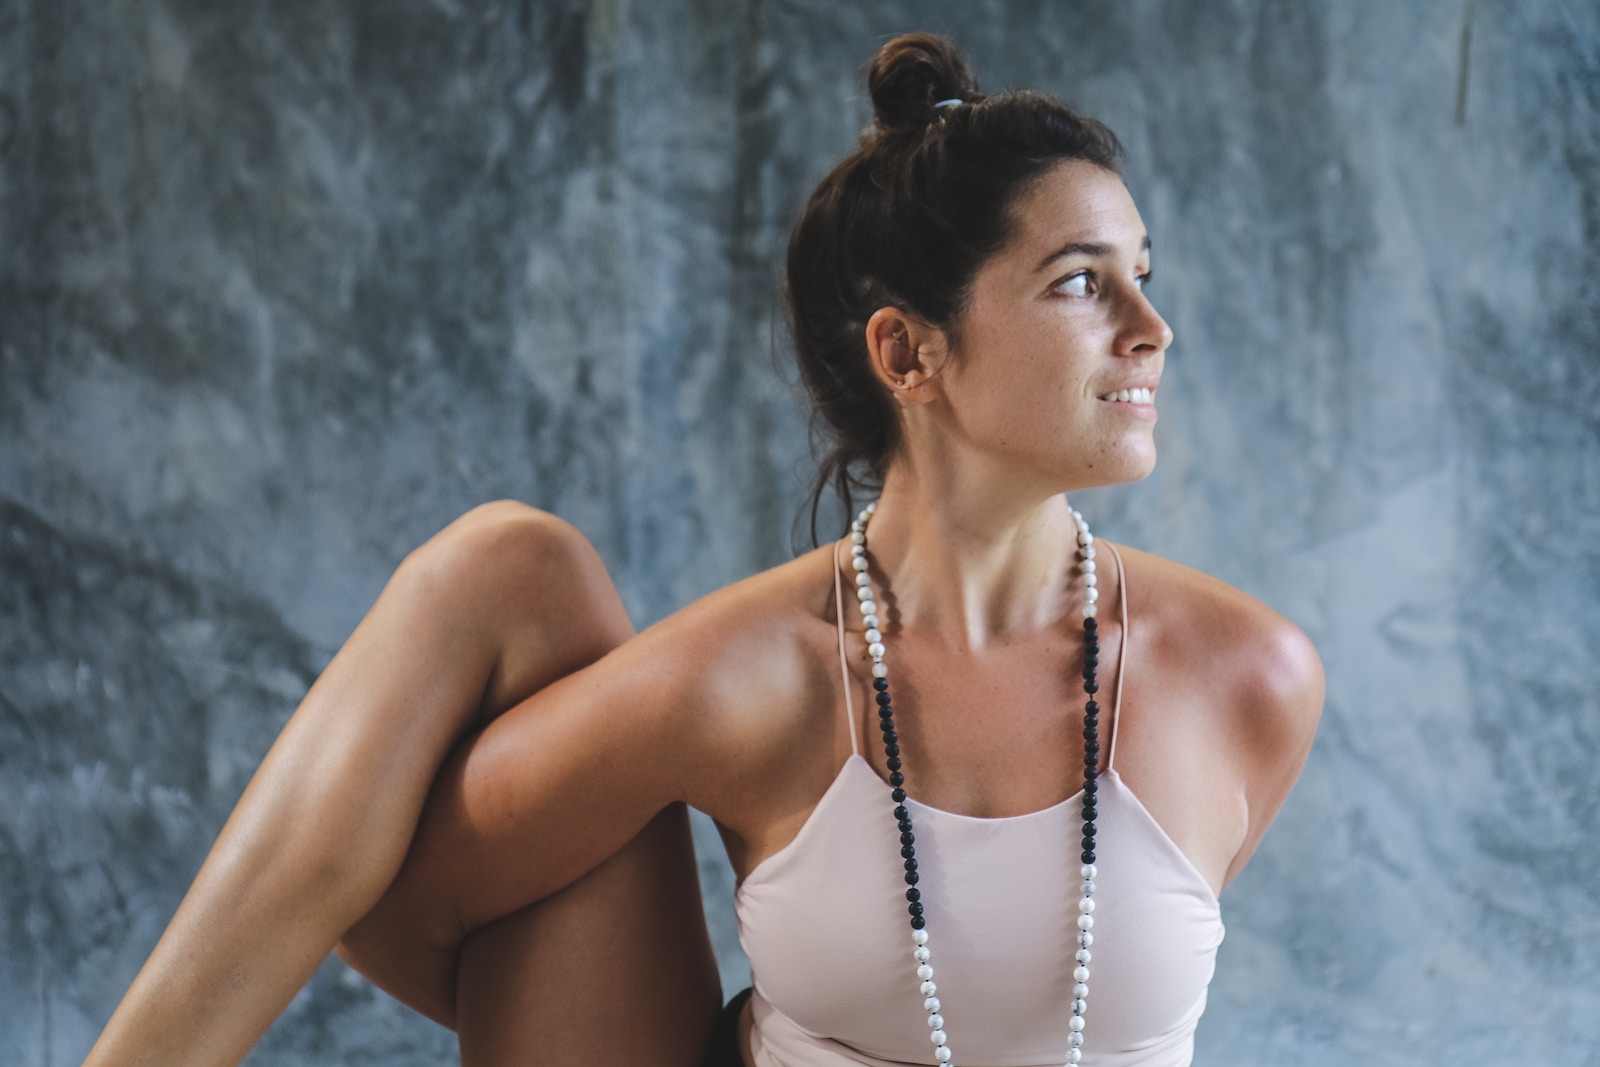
1083 955
1088 887
875 650
873 635
938 1037
931 1004
922 953
871 508
920 936
863 579
924 972
859 562
871 622
1085 538
1086 905
1075 1039
942 1054
1088 566
1086 922
1074 1055
1087 872
1086 939
864 593
929 989
880 671
1088 552
1090 580
857 537
1080 974
868 606
936 1021
1080 991
1090 610
1091 594
1075 1023
1079 1006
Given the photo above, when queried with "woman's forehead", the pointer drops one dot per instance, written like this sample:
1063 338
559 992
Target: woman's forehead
1075 205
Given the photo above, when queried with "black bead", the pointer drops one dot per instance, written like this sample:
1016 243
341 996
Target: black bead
1091 733
913 895
900 812
912 878
886 714
883 698
881 684
1088 832
1089 786
908 852
1091 623
1092 659
1091 708
908 838
1088 673
1091 686
893 763
899 796
911 865
918 923
890 748
905 826
915 908
1091 748
1087 856
889 736
897 780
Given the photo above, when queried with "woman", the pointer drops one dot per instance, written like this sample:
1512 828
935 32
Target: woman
967 300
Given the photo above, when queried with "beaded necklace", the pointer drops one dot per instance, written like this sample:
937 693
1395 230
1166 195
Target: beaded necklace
891 748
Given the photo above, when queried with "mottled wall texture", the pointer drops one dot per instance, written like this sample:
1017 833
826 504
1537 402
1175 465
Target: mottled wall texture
285 287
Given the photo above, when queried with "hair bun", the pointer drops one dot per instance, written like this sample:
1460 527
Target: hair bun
912 73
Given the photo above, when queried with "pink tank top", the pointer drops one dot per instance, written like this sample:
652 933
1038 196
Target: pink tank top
823 921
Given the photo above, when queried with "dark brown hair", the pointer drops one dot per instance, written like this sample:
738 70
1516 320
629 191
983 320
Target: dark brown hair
906 221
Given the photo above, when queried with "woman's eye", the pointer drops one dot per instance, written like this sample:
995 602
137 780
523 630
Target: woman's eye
1142 281
1079 284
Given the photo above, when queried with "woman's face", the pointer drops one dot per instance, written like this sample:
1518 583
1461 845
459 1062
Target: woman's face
1060 350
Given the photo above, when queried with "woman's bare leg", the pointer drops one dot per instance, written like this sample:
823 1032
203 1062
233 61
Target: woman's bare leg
500 604
616 968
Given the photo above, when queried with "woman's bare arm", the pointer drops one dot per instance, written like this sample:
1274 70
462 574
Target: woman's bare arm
327 819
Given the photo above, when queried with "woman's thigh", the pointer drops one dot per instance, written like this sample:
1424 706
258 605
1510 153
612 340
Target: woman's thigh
616 968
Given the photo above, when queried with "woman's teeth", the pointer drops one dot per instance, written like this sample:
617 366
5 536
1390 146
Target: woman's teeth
1131 396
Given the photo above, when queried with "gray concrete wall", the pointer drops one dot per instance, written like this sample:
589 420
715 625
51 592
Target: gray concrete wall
283 288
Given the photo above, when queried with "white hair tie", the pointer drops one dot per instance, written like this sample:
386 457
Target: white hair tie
954 101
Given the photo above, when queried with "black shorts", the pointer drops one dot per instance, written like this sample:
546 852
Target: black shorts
724 1048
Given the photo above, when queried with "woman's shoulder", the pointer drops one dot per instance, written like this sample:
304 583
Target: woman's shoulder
758 665
1248 657
763 633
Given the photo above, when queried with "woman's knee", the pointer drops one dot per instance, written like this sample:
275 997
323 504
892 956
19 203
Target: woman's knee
534 585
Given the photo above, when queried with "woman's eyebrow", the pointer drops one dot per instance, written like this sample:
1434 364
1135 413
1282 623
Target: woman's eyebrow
1092 249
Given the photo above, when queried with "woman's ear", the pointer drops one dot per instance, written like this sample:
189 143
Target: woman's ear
906 354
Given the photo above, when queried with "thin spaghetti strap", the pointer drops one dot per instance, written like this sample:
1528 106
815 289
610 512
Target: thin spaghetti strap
844 663
1122 656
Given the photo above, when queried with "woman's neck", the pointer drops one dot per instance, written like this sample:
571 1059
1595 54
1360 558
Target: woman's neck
970 568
